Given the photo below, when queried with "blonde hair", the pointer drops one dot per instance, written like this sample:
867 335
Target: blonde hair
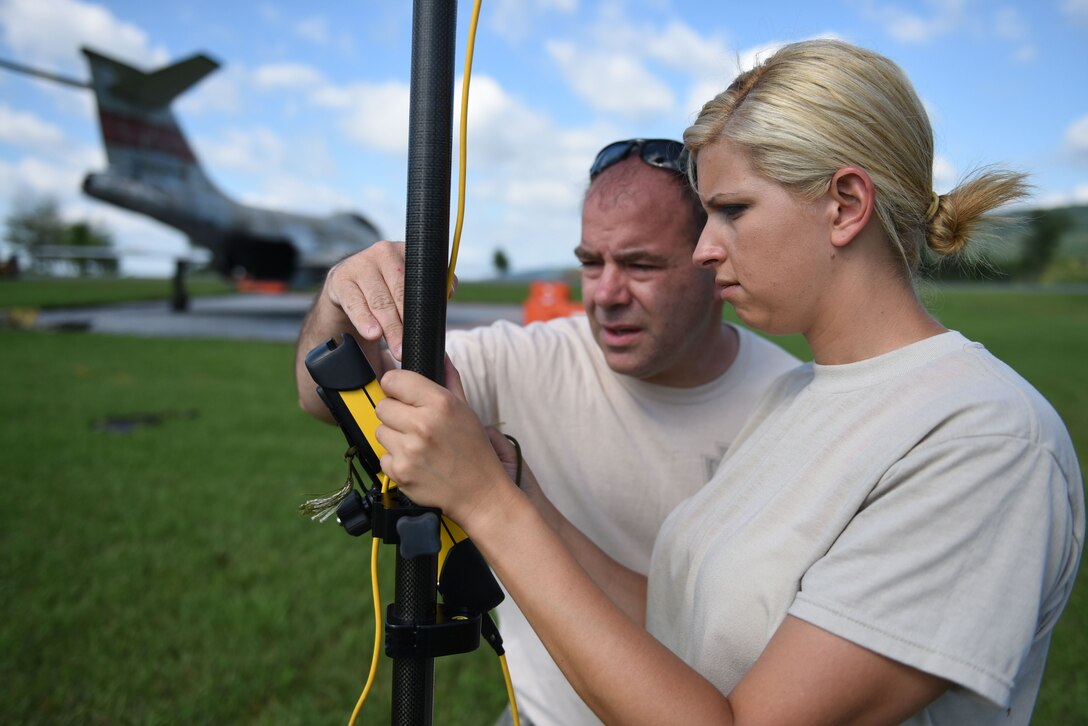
819 105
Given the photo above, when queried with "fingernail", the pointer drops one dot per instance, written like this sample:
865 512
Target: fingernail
371 331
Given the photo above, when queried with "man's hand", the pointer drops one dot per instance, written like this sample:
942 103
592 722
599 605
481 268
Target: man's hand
369 288
363 296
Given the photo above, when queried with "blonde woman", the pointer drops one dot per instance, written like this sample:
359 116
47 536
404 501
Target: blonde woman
897 529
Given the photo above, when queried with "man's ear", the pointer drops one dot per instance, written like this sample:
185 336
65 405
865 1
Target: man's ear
854 196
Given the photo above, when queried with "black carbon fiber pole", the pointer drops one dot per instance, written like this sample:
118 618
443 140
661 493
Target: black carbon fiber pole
430 141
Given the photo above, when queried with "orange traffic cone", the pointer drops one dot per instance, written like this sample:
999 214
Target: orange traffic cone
549 299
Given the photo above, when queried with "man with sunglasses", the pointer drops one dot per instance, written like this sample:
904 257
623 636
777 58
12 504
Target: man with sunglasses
623 412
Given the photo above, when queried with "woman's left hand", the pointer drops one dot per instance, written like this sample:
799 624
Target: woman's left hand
438 451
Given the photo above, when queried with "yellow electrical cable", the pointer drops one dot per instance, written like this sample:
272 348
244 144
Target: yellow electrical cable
377 634
377 618
510 690
464 145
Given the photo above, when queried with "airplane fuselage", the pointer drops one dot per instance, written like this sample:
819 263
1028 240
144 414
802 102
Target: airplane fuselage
153 171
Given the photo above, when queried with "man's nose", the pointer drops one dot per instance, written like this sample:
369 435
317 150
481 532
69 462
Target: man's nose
612 287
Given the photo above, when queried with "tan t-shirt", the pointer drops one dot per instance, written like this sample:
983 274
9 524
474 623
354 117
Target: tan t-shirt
614 454
925 504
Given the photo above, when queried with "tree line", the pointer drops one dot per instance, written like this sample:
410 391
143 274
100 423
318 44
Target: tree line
34 231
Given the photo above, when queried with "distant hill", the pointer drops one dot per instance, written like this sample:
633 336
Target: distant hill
1075 240
570 275
1003 252
1069 262
1006 248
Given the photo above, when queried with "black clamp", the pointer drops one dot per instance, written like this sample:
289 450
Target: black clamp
452 633
394 520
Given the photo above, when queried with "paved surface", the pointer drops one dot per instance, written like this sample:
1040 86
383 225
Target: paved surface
241 317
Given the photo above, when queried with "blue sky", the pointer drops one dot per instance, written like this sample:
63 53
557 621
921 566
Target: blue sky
309 110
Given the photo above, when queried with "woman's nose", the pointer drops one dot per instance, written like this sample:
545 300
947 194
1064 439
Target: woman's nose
707 253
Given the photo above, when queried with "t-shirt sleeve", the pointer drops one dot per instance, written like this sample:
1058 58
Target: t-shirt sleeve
960 559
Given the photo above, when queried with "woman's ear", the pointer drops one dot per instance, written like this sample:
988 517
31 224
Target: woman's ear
854 197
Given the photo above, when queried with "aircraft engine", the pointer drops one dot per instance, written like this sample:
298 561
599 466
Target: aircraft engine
256 258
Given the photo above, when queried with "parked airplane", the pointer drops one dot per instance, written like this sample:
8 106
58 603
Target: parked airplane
152 170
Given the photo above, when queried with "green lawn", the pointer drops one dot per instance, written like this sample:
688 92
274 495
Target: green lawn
71 292
162 574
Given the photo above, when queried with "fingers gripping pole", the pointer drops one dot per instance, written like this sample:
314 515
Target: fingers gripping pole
430 140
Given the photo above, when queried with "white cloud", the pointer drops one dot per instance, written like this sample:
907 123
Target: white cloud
912 27
710 85
506 136
384 210
253 150
291 192
1076 9
271 162
526 178
50 33
943 17
679 46
514 19
269 13
613 82
1010 25
636 70
1076 137
944 174
37 177
28 131
221 92
1078 195
376 114
315 29
287 75
1025 54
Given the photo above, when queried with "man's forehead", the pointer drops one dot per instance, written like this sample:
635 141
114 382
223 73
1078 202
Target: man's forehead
625 251
632 179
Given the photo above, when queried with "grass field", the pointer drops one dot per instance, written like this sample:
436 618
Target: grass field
69 292
154 569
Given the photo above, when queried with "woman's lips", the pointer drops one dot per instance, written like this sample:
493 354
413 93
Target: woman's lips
726 288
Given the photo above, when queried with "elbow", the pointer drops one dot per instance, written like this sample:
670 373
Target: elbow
319 411
311 403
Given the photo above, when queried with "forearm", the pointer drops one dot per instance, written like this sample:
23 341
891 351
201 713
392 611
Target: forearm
625 587
621 671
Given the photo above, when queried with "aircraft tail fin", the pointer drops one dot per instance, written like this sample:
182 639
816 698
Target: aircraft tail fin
158 88
142 137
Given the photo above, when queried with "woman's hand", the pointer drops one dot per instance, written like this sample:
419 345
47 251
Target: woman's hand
438 451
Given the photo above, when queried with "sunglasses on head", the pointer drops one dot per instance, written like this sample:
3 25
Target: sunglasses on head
662 153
